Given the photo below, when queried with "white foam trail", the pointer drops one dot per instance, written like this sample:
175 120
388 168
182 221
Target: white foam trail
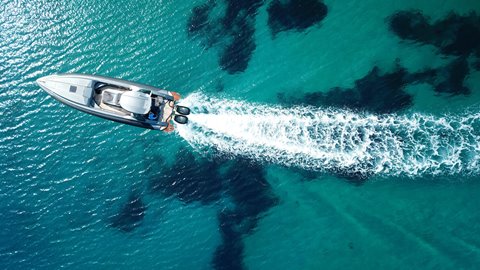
335 140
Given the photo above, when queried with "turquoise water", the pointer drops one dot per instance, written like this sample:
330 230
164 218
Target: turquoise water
341 139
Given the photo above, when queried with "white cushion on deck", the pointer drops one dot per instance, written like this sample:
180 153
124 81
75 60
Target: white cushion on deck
136 102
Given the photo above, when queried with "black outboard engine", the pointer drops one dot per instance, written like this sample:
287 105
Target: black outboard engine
180 117
183 110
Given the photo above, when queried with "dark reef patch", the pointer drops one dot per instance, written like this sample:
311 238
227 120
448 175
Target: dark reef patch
285 15
229 255
454 35
237 11
198 20
411 25
190 180
376 92
233 32
450 79
252 196
250 191
237 53
243 183
131 215
385 93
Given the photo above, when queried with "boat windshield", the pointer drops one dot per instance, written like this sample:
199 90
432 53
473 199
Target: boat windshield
145 91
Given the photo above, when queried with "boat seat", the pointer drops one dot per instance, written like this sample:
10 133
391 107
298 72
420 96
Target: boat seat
111 97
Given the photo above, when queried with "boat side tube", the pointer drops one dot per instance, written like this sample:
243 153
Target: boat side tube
163 94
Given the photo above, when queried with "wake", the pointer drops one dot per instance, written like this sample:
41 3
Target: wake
335 140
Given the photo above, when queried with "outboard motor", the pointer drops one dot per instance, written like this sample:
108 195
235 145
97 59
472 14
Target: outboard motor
182 111
181 119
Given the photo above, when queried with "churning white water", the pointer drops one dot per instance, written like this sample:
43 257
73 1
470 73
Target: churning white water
334 139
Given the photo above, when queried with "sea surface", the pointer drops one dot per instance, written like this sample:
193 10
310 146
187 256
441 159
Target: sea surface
335 134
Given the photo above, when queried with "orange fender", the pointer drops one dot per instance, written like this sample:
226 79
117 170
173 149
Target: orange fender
176 96
169 128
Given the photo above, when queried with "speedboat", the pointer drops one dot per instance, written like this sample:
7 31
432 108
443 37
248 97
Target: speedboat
117 100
